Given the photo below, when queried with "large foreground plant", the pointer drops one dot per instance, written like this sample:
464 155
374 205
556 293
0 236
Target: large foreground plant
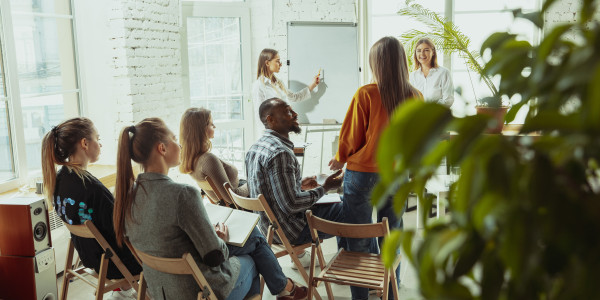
525 213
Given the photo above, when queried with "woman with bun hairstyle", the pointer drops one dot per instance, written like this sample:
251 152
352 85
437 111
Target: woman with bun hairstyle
167 219
78 196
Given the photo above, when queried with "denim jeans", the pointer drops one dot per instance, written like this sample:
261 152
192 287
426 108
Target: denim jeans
248 282
266 264
358 210
331 212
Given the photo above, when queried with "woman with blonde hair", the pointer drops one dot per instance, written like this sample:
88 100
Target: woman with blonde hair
196 130
369 112
268 86
167 219
432 80
78 196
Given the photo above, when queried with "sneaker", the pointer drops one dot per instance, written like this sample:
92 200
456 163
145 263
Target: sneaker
297 293
304 258
123 295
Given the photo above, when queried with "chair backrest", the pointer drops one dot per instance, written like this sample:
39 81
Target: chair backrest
252 204
358 231
186 265
208 187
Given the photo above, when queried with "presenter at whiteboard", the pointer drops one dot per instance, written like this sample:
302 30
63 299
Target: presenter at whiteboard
433 81
268 86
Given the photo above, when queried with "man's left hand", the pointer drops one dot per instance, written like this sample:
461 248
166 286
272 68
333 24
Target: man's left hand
309 183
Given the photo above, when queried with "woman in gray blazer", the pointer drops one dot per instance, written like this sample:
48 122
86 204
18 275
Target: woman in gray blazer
167 219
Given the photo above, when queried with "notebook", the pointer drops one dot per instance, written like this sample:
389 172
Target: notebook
329 198
240 223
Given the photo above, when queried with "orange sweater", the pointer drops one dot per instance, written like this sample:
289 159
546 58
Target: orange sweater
364 122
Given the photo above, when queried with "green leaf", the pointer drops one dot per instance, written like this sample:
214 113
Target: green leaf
389 246
593 104
492 277
549 120
534 17
495 40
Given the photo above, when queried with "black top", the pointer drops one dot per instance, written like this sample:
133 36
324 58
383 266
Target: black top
77 200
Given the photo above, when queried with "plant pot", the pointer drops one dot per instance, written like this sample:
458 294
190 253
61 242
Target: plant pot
497 113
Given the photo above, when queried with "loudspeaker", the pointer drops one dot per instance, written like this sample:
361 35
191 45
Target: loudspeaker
24 227
28 278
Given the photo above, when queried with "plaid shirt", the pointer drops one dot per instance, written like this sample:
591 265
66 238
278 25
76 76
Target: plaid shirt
273 170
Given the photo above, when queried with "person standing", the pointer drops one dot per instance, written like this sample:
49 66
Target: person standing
369 112
432 80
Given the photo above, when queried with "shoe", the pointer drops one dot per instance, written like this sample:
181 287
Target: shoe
297 293
304 258
123 295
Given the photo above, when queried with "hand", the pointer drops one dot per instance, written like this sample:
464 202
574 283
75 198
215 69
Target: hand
222 231
334 181
335 165
309 183
315 82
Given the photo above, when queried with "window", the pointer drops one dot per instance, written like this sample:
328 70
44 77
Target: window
42 87
216 61
477 19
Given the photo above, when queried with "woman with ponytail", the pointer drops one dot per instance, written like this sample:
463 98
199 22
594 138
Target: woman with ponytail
167 219
78 196
367 116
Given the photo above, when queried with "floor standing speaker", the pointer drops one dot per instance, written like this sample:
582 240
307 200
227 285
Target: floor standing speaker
27 262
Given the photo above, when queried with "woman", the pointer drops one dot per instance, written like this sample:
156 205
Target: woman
429 78
196 130
168 219
268 86
367 116
78 196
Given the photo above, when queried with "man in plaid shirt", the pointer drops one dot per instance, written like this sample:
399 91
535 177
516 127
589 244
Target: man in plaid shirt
273 170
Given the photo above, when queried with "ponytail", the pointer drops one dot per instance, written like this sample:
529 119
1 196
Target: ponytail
48 161
124 184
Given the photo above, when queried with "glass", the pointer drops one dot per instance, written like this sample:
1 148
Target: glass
45 58
228 145
43 6
215 65
472 5
7 167
39 115
379 7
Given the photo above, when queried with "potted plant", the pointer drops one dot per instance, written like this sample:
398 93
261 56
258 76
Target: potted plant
450 39
525 212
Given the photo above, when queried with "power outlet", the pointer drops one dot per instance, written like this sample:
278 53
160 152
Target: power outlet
44 260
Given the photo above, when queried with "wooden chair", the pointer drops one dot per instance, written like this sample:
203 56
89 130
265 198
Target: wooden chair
286 248
209 185
347 267
88 230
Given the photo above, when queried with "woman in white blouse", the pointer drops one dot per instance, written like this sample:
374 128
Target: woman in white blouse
268 86
429 78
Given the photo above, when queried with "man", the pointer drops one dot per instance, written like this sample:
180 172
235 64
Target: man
274 171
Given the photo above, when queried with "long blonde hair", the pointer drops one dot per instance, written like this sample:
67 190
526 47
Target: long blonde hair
434 63
262 69
390 70
194 141
136 143
58 145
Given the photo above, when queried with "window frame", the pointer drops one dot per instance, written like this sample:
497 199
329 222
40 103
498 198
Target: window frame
23 176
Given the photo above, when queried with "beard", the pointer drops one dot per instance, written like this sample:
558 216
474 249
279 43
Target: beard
296 129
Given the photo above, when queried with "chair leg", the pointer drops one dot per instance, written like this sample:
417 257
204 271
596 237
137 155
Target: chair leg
142 288
262 285
386 284
394 285
303 272
68 267
102 277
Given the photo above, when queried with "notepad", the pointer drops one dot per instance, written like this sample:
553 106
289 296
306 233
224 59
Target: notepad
329 198
240 223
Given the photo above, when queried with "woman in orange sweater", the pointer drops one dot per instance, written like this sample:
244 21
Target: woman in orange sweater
367 116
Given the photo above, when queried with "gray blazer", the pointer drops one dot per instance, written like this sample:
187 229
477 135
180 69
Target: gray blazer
169 220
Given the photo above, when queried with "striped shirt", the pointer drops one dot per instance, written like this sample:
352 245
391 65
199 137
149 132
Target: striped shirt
273 170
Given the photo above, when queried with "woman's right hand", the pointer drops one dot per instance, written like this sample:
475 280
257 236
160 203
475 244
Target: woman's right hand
222 231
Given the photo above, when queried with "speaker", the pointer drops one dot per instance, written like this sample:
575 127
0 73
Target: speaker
28 278
24 226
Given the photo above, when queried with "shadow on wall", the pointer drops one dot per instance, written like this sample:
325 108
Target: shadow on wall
307 106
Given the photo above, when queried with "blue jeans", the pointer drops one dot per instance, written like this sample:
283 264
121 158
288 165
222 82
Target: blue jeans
331 212
248 282
266 264
358 210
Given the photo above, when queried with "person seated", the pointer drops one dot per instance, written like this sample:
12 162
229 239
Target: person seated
167 219
274 172
78 196
196 129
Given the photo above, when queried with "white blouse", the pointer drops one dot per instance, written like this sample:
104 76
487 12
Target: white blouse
436 87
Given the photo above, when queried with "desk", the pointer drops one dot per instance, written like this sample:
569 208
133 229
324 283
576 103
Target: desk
437 186
334 127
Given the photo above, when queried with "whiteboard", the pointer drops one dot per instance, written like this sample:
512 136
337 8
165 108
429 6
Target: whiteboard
333 47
